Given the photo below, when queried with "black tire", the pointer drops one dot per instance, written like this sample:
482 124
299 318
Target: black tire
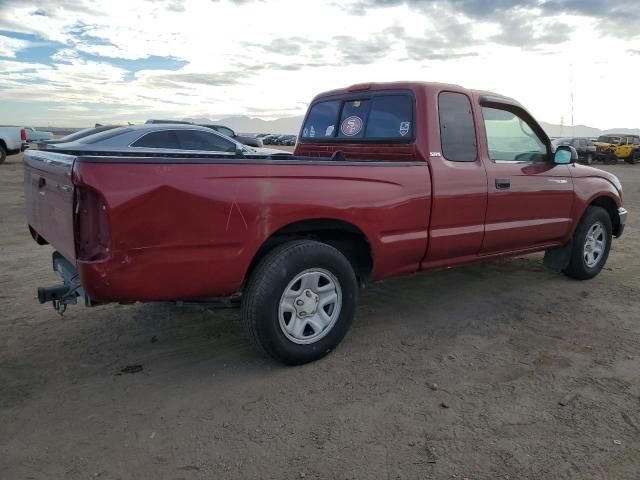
3 154
578 267
588 159
633 158
611 158
265 289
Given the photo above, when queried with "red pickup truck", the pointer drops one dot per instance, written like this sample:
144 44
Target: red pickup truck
386 179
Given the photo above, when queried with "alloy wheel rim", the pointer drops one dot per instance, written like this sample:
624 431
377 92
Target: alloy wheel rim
594 245
310 306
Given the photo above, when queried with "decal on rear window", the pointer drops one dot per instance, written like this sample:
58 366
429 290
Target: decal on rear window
404 128
351 125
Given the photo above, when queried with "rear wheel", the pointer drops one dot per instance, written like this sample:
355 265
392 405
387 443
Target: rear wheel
633 158
588 159
300 301
3 154
591 244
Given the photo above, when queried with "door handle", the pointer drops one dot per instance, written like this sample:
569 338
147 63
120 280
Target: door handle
503 183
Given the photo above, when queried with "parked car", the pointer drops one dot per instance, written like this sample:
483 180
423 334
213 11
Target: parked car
386 179
270 139
611 147
173 139
34 135
585 148
42 145
246 140
13 140
288 140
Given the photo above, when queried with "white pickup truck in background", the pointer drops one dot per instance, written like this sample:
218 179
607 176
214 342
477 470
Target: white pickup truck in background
13 140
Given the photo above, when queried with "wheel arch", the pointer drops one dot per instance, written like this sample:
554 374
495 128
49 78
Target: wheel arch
609 204
346 237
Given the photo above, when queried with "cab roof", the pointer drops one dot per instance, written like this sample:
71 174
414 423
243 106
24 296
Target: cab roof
427 87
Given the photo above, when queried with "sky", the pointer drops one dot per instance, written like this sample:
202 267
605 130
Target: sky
72 63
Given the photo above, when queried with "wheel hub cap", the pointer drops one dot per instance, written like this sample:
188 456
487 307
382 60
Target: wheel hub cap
306 304
310 306
594 245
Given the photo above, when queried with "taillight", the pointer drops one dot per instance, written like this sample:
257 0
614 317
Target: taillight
23 134
91 225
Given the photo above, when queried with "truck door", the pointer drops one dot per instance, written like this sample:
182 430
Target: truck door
530 198
459 182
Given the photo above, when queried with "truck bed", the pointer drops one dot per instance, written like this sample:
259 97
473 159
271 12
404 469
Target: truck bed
188 226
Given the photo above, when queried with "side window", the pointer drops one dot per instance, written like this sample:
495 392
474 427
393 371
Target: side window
163 139
198 140
457 130
321 121
353 118
510 138
226 131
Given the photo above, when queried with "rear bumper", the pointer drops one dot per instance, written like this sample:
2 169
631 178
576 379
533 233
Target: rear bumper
24 146
622 216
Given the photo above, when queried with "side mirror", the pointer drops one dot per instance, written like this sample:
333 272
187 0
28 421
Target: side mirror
565 154
239 151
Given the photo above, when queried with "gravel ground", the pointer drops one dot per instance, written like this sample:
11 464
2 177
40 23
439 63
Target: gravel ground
450 374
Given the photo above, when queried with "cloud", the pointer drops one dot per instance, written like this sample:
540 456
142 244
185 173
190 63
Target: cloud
616 18
211 79
209 57
9 46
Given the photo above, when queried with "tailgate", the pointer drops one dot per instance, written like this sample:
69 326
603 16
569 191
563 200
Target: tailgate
49 198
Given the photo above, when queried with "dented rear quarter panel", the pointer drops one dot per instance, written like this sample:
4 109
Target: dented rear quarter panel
181 230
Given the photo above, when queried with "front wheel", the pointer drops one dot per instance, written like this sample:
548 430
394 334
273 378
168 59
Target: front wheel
588 160
300 301
3 154
591 244
633 158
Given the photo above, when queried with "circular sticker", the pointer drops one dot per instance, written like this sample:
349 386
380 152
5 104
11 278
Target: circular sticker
351 126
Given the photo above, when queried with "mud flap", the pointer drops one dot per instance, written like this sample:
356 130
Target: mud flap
558 258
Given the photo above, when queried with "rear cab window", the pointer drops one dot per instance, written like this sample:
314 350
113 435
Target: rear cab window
374 116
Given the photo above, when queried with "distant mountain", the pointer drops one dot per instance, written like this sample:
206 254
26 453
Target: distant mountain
242 124
291 125
583 130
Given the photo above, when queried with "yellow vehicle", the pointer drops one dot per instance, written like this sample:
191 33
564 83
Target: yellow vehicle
611 147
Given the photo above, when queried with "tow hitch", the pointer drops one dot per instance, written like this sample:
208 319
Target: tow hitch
66 293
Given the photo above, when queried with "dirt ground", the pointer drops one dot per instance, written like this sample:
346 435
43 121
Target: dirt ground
450 374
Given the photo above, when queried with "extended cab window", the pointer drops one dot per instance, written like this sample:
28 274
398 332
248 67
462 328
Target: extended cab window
457 130
374 117
510 138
